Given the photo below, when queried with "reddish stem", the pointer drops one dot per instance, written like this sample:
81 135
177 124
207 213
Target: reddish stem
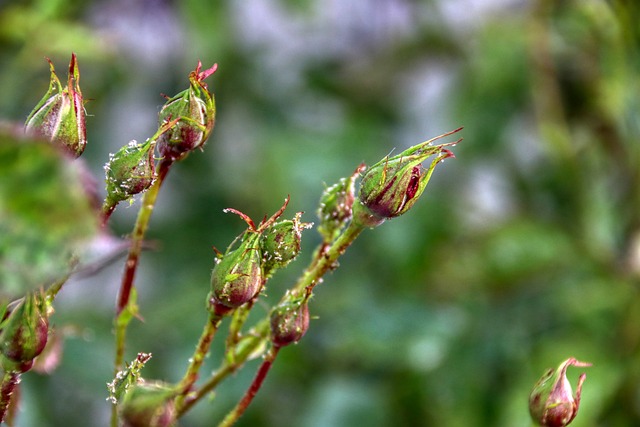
140 229
237 412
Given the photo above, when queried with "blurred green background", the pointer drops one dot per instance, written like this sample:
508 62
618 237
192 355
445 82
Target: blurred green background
524 250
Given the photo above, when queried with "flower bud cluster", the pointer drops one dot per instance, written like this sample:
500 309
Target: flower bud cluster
290 321
186 121
551 402
195 110
24 333
129 171
336 204
149 405
242 272
392 186
60 116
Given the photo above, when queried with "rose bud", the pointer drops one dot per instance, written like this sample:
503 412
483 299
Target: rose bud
551 402
290 321
149 405
24 333
195 110
60 115
130 171
335 206
280 243
238 276
392 186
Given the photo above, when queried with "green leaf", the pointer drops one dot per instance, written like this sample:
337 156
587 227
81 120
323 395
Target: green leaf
45 214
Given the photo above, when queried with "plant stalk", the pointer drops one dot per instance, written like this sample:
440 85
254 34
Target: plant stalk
246 400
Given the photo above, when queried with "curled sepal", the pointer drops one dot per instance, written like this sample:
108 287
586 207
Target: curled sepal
238 277
280 243
195 110
25 331
393 185
551 402
149 405
60 115
126 378
335 208
290 320
129 171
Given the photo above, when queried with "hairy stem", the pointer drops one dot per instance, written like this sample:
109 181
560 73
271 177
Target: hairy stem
326 259
10 380
200 354
246 400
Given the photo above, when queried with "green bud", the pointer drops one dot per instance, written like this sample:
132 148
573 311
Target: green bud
290 321
60 115
393 185
130 171
336 206
194 109
280 243
551 402
149 405
238 276
24 333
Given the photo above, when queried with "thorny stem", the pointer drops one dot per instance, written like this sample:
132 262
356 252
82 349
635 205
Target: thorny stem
196 361
246 400
10 380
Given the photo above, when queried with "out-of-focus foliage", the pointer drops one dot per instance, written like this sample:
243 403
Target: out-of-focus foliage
45 213
525 251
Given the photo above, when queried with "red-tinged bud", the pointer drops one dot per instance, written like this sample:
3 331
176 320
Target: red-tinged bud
280 243
130 171
393 185
24 333
149 405
195 110
551 402
290 321
336 203
60 115
238 276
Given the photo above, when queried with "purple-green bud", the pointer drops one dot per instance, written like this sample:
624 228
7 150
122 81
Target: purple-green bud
290 321
24 333
393 185
336 206
238 276
149 405
129 171
551 402
60 115
195 110
280 243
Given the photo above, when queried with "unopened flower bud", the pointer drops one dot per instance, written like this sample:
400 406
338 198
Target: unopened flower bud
24 333
393 185
238 276
149 405
289 322
551 402
129 171
336 206
195 110
280 243
60 115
